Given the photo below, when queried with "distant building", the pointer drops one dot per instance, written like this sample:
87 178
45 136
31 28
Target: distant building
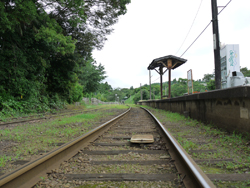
230 62
230 67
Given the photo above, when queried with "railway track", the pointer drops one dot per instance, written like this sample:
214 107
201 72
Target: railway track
106 157
68 113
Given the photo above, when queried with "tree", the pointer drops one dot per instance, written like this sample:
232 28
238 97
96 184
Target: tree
43 53
145 96
90 77
207 77
76 94
245 71
211 85
179 88
29 40
105 88
198 87
156 89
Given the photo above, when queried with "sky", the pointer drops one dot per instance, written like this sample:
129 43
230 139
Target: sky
155 28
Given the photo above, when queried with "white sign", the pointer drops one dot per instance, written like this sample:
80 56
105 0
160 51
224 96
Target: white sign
190 81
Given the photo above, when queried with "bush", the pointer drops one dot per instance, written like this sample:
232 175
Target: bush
76 93
10 106
145 96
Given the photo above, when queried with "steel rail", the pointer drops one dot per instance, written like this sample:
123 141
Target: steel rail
29 174
198 174
49 116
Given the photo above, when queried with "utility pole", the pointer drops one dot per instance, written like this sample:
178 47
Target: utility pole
217 63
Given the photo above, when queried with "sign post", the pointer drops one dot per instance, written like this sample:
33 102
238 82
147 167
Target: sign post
190 81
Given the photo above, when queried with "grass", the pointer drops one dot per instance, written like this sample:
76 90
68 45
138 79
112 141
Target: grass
4 159
129 184
29 139
228 145
130 100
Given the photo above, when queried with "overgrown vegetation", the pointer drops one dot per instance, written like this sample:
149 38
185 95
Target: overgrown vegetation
46 51
30 139
194 135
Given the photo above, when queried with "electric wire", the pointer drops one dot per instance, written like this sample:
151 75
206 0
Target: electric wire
190 28
196 38
224 7
156 79
204 29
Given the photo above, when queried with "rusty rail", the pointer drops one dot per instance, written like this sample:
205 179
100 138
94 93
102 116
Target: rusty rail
192 175
30 173
48 117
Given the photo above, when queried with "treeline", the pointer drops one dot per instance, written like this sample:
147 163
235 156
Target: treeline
46 50
133 95
178 88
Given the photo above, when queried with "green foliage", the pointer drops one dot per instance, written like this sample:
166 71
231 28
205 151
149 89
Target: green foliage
198 86
13 107
211 85
130 100
76 93
105 88
53 37
101 97
155 89
179 88
245 71
90 77
208 77
145 96
44 54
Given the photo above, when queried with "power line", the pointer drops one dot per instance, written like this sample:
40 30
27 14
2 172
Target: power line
204 29
190 28
225 7
196 38
156 79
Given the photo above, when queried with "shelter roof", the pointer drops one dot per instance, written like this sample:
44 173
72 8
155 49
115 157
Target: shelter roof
162 62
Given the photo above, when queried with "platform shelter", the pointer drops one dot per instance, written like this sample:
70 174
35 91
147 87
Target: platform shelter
169 62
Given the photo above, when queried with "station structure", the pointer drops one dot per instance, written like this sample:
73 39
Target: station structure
169 62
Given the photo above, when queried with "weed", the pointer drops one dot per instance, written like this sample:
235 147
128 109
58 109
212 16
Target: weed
4 159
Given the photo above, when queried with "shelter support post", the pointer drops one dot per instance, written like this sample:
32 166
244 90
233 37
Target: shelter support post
150 83
169 62
169 83
161 73
169 66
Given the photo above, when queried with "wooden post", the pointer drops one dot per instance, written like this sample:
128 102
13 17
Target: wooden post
169 83
161 73
150 84
169 77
